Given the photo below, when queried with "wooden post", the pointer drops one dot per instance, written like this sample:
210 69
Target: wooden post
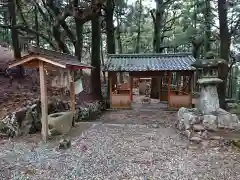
44 103
159 86
169 86
108 91
192 82
191 89
131 88
110 88
72 94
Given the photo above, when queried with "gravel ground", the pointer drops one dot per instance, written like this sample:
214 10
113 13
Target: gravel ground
119 151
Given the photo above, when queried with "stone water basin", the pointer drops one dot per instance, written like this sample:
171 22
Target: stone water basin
60 122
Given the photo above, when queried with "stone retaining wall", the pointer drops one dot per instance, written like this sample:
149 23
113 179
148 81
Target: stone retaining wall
28 119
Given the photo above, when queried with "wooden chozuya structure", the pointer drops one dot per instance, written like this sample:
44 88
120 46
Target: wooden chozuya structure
50 60
173 71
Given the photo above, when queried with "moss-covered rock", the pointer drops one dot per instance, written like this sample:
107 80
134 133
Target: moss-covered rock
90 111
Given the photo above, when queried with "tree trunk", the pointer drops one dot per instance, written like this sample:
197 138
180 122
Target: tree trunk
119 40
139 27
207 18
36 25
60 43
110 27
102 60
118 34
196 47
14 34
79 42
96 62
56 29
158 24
79 33
110 36
6 21
225 41
157 44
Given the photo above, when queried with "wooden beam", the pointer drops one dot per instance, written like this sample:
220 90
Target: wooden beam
145 74
31 58
44 103
72 94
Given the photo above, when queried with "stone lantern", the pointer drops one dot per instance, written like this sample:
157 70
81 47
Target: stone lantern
207 116
208 101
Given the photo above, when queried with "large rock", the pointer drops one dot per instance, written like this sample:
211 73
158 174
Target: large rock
186 118
90 110
9 125
227 120
24 121
210 122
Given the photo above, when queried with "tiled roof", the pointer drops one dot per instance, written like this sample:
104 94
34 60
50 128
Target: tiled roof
149 62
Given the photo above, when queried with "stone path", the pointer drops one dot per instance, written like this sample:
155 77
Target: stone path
136 144
153 114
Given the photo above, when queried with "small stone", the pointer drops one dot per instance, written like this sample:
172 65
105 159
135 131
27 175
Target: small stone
216 138
204 143
155 126
200 119
205 134
236 126
198 127
193 146
180 125
187 133
196 120
64 144
199 133
213 143
196 139
181 112
210 122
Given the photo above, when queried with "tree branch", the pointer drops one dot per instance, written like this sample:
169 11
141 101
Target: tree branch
56 12
28 30
172 21
234 29
83 13
21 13
153 17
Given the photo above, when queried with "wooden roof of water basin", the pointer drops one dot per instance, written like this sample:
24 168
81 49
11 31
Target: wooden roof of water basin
51 59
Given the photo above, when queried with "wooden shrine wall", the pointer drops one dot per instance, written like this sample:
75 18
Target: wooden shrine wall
177 101
180 93
120 94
